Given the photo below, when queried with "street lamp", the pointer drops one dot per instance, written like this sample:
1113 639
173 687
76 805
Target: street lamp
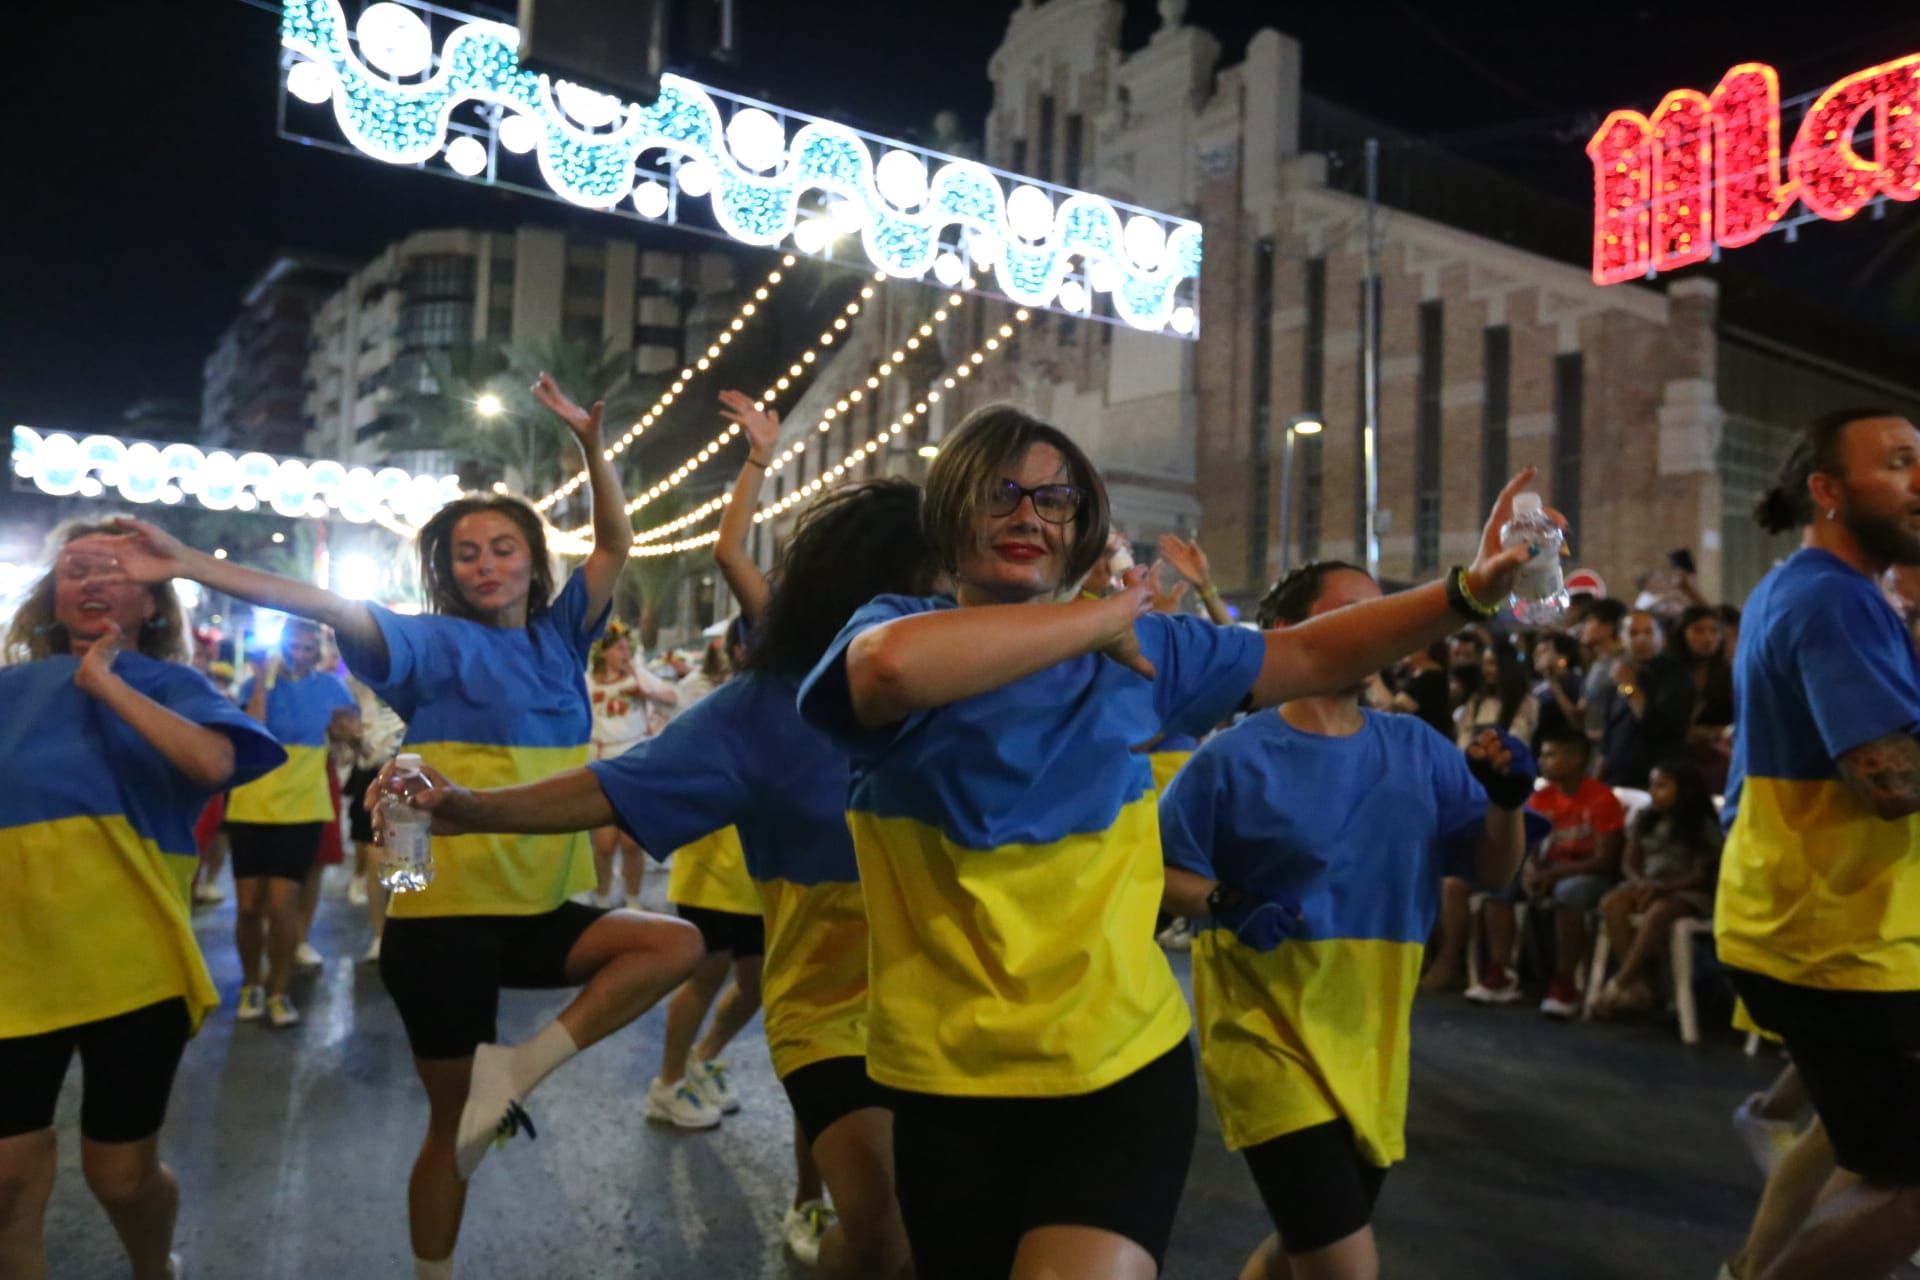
488 405
1304 424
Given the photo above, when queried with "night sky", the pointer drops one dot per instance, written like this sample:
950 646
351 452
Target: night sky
146 184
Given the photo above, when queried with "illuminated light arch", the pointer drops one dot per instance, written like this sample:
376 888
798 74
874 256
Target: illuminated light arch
1705 172
965 203
143 472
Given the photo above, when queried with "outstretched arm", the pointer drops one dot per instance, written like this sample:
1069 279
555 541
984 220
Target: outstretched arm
1337 650
149 554
612 531
744 578
567 801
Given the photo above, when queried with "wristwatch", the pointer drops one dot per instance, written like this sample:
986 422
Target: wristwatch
1224 898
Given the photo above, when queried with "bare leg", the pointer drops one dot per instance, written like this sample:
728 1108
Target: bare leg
633 866
436 1197
868 1239
283 931
1268 1261
603 841
309 901
1656 927
806 1174
250 925
1498 920
26 1184
1791 1192
1859 1232
736 1009
1785 1098
1616 917
1353 1257
688 1009
140 1197
1449 955
1080 1253
626 961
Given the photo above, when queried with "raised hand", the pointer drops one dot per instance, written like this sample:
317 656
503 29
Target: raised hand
1134 598
1490 576
1187 559
443 800
1169 601
147 553
96 668
761 425
583 423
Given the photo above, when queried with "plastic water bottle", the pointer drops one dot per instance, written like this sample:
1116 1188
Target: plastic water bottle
1539 594
406 860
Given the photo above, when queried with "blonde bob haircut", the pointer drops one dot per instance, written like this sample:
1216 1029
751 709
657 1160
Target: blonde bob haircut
34 634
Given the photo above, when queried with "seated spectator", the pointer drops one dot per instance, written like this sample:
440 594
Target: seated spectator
1673 846
1730 624
1502 701
1558 709
1647 719
1422 688
1699 647
1574 869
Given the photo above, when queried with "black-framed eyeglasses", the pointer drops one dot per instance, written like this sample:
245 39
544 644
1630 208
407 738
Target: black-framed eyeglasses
1054 503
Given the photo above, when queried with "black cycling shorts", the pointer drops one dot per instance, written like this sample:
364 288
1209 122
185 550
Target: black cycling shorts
976 1174
127 1064
734 932
285 851
445 972
1316 1185
825 1091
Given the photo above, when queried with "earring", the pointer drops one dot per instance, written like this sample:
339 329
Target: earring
1833 513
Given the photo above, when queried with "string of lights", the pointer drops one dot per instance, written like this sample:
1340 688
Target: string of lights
654 412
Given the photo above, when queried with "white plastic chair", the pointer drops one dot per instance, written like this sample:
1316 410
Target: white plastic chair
1679 964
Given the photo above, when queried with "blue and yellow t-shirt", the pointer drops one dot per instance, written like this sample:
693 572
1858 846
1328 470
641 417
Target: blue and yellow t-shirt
741 756
1304 1011
491 707
298 713
96 845
1009 849
1814 889
1167 755
712 873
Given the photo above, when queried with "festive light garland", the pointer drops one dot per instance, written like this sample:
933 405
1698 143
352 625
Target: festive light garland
142 471
916 211
654 411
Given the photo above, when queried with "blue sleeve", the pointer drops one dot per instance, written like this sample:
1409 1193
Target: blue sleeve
399 676
1203 672
1856 666
686 782
1189 808
567 617
190 695
1459 806
826 699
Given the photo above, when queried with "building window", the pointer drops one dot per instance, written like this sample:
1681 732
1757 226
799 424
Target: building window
1262 425
1569 386
1075 142
500 323
439 275
1313 384
580 328
1494 412
1018 160
584 280
1043 153
436 324
502 272
1426 441
657 335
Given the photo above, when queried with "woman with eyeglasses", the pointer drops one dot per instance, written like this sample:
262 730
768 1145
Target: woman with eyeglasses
1032 1034
110 754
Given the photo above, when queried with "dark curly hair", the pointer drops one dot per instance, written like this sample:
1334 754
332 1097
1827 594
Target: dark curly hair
1290 600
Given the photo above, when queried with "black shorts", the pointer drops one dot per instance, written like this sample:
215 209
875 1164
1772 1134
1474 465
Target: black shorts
976 1174
1859 1053
445 972
359 820
732 931
127 1064
825 1091
1316 1185
285 851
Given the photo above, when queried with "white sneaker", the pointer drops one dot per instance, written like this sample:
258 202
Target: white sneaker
252 1003
611 900
492 1114
1767 1140
1558 1007
372 955
357 891
281 1013
1177 936
1507 993
209 892
804 1226
713 1082
305 957
680 1104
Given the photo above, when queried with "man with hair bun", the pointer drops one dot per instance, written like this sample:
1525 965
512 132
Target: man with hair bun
1818 913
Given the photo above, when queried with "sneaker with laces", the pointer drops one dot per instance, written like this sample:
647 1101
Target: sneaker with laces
714 1082
1177 936
1496 986
252 1004
492 1115
680 1104
372 955
281 1013
1562 999
804 1226
305 957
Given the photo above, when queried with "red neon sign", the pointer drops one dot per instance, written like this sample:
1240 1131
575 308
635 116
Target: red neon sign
1706 168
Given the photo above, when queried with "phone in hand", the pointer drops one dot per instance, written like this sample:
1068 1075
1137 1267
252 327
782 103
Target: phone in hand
1681 558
